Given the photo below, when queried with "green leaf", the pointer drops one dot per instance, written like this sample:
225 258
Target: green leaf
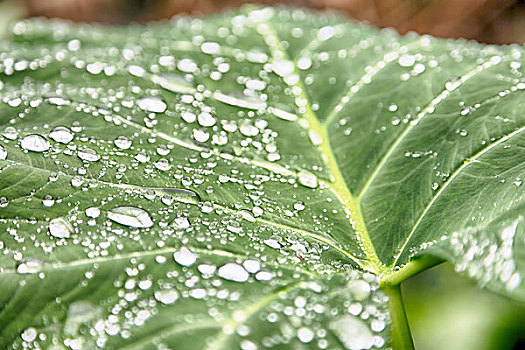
250 180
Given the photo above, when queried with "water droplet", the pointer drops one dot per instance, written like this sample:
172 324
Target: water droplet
305 334
353 333
61 134
248 130
48 201
207 269
181 223
299 205
166 296
264 276
185 257
206 119
252 266
3 153
210 48
407 60
10 133
162 164
122 142
88 154
307 179
187 65
29 266
35 143
200 135
233 272
360 289
60 228
282 67
131 216
93 212
29 334
315 138
173 82
238 99
152 104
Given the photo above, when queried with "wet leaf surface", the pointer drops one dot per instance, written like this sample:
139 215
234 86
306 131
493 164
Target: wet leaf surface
247 180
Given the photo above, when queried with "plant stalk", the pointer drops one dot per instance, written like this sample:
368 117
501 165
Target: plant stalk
401 336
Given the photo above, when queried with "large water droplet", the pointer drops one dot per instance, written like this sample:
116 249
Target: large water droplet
131 216
152 104
353 333
233 272
238 99
35 143
173 82
185 257
60 228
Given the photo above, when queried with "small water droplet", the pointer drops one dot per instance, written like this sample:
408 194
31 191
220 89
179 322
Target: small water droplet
122 142
305 334
88 154
61 134
3 153
166 296
10 133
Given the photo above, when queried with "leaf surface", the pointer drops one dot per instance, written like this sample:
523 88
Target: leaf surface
247 180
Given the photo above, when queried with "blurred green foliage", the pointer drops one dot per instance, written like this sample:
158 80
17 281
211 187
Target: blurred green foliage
448 311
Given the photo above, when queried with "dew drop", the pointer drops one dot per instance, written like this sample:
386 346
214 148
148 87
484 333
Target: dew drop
233 272
353 333
88 154
360 289
152 104
185 257
305 334
61 134
60 228
10 133
93 212
122 142
35 143
130 216
307 179
173 82
29 266
29 334
166 296
3 153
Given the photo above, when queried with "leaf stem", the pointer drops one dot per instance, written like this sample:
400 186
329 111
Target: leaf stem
414 267
401 336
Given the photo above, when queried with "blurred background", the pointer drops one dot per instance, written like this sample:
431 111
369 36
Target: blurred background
490 21
445 311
